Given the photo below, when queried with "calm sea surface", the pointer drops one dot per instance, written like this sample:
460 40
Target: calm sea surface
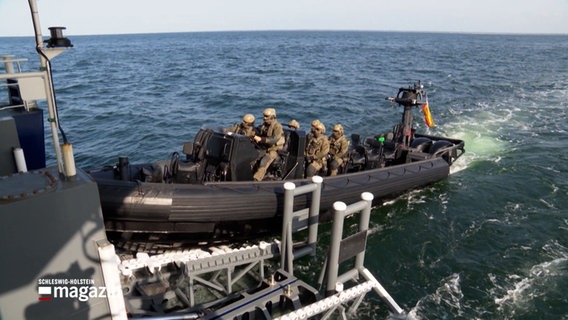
490 242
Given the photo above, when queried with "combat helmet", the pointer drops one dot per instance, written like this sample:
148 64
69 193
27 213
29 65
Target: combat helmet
294 124
339 128
318 125
248 118
269 113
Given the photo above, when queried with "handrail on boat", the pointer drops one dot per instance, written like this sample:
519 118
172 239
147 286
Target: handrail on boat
354 246
287 253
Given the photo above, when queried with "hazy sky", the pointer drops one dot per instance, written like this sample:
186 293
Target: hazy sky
143 16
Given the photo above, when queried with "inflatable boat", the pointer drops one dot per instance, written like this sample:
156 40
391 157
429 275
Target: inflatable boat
208 191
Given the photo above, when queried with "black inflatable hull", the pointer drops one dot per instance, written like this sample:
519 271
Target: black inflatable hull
233 207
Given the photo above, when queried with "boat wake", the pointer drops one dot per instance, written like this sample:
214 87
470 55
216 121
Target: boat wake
446 302
480 131
413 198
519 294
459 165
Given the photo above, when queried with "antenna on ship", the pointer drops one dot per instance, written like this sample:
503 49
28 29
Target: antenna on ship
412 96
53 47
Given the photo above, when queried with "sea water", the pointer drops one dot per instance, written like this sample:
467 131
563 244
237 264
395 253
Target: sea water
489 242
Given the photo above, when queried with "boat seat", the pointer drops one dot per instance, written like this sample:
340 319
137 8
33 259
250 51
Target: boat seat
151 173
389 153
280 162
357 159
188 149
280 165
282 156
187 172
372 142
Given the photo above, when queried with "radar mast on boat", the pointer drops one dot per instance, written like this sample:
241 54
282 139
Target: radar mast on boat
413 96
48 50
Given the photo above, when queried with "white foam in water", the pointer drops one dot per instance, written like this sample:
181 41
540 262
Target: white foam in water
459 165
479 130
565 227
449 293
412 197
480 141
521 291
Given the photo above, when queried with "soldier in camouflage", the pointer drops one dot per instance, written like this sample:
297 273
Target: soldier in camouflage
338 146
270 137
293 124
246 127
317 148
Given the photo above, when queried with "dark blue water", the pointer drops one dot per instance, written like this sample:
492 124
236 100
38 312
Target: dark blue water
490 242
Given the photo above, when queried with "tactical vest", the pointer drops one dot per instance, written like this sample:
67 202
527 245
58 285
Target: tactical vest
245 130
336 146
315 144
274 130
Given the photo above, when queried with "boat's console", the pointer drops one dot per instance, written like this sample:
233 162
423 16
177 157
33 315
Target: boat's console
218 156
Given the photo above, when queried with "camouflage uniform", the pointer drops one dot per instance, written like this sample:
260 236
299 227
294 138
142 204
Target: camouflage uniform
246 127
317 148
338 146
271 138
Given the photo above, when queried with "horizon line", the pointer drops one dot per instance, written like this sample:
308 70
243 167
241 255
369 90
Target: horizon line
496 33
